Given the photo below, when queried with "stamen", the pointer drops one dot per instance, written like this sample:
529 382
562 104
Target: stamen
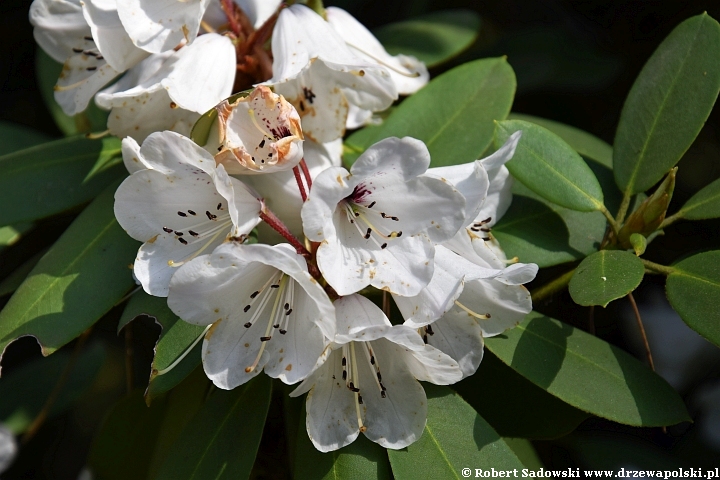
474 314
356 389
264 339
408 73
182 214
191 212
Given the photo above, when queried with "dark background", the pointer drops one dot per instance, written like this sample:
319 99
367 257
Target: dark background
575 61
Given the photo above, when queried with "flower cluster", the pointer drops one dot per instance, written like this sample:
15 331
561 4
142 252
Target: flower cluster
261 236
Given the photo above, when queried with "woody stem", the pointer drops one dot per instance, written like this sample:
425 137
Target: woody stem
267 216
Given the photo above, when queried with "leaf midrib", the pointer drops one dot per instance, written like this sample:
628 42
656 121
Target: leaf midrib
441 451
683 273
641 156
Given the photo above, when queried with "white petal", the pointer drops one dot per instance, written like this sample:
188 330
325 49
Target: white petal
132 158
460 338
160 25
243 204
110 37
357 117
397 420
331 419
81 77
424 362
503 154
471 180
59 27
451 271
170 151
321 105
359 319
202 74
258 11
8 448
403 158
507 305
329 188
408 73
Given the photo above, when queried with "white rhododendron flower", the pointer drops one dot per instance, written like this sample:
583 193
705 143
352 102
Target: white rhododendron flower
317 72
407 73
180 207
376 223
367 381
259 133
266 312
169 91
89 38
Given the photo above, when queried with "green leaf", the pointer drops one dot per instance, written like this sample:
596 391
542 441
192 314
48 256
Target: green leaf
50 178
548 166
588 373
605 276
668 104
433 38
525 451
15 137
362 459
13 281
11 234
182 404
704 204
693 289
91 120
584 143
222 439
78 280
453 114
455 437
176 337
517 407
123 446
24 391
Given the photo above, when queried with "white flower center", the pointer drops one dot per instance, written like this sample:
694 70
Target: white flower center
480 227
368 222
208 228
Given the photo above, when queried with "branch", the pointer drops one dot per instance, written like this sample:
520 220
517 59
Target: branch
554 286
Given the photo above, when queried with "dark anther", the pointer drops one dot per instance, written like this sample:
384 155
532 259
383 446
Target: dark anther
77 50
344 375
429 330
255 294
89 53
88 37
248 325
379 377
275 286
179 234
383 246
355 390
475 229
372 204
487 315
219 206
262 144
168 230
265 339
487 220
276 326
288 312
191 212
367 235
210 215
395 219
194 234
360 399
308 94
182 214
247 307
283 332
382 394
425 338
182 240
91 69
302 106
344 361
287 305
487 239
372 359
399 234
486 230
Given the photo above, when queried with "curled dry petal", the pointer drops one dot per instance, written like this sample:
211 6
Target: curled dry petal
259 133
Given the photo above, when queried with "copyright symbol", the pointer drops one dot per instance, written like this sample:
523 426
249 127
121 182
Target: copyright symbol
466 472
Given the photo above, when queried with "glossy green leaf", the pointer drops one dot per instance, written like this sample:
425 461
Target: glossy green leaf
182 404
176 337
693 289
433 38
222 439
52 177
91 120
123 447
360 460
605 276
668 104
14 137
453 114
548 166
525 451
704 204
11 234
588 373
24 391
517 407
76 282
584 143
455 437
